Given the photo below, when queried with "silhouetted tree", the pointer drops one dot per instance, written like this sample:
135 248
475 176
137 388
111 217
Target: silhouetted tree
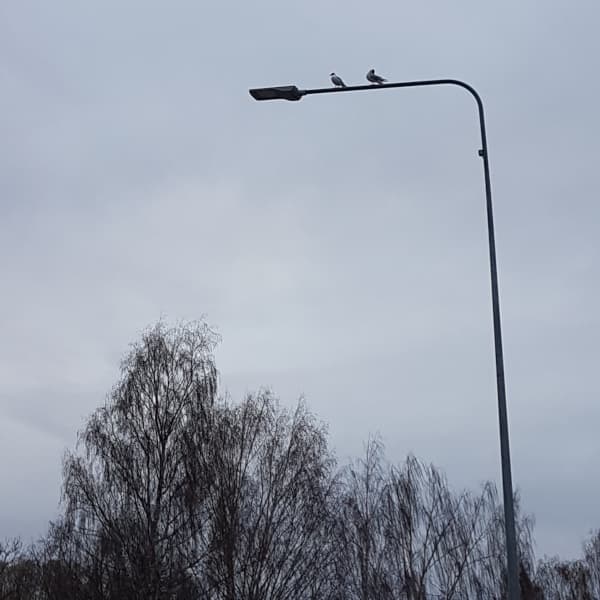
10 551
127 494
428 531
18 573
574 579
592 560
269 504
529 589
564 580
360 545
402 533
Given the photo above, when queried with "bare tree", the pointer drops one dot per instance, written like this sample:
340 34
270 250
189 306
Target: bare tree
127 494
404 534
432 534
530 590
423 532
18 573
572 579
564 580
487 572
592 559
359 541
10 551
269 502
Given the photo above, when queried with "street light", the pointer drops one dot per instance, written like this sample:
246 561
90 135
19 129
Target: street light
284 92
292 92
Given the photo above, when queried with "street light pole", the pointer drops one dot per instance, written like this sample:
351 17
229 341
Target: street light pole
292 92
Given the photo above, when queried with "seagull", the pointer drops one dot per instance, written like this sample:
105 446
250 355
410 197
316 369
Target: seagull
373 78
337 80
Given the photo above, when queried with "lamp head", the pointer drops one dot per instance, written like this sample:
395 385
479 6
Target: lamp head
283 92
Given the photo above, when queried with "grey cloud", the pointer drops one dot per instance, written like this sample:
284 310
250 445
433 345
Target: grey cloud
338 244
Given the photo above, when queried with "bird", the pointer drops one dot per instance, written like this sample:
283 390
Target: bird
374 78
337 80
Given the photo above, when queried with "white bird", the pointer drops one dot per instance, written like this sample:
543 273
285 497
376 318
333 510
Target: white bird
374 78
337 80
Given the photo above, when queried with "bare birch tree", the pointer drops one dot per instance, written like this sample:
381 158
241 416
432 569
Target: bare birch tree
126 493
269 503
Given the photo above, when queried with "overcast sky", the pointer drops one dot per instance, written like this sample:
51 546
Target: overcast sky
337 244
